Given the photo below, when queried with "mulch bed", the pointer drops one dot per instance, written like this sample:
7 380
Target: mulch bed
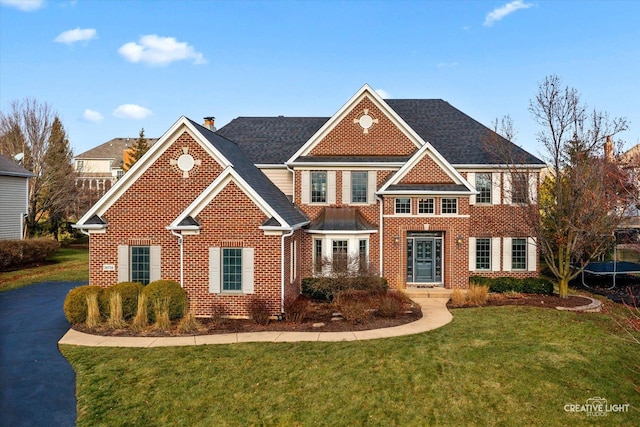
322 319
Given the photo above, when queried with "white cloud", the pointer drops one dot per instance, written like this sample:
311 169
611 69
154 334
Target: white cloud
499 13
92 116
383 93
131 111
24 5
447 64
156 50
77 35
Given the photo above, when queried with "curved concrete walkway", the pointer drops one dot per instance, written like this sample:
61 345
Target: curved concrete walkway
434 315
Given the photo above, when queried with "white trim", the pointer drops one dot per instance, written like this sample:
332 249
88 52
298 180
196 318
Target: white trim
532 254
372 186
495 253
155 263
471 177
495 188
472 254
331 187
215 285
506 253
346 187
248 286
123 263
305 187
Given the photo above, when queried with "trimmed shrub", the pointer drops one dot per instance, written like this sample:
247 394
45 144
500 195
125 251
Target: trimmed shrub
258 309
175 295
15 254
129 292
296 308
75 303
532 285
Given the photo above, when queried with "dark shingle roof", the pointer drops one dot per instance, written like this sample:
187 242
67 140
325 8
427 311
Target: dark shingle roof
271 140
9 168
254 176
458 137
112 149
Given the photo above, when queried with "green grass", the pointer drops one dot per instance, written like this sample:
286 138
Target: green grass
66 265
490 366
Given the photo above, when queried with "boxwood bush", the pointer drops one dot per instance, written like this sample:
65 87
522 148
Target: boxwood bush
161 289
75 303
531 285
129 292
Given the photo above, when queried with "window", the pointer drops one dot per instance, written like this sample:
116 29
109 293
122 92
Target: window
519 254
231 269
318 187
363 259
403 206
340 256
80 165
483 185
483 254
519 188
449 206
359 187
425 206
140 264
317 255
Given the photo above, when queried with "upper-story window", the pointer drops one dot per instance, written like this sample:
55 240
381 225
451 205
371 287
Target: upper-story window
426 206
449 206
520 188
319 187
359 187
80 165
403 205
483 185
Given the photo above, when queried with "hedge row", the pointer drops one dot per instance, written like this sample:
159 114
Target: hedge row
532 285
15 254
75 304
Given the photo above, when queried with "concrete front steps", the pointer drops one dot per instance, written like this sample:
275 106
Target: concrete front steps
427 292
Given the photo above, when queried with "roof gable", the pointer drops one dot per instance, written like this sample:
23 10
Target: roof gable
112 149
9 168
365 125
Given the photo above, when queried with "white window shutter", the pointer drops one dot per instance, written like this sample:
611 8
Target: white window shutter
372 186
123 263
472 253
214 270
495 188
346 187
247 271
305 186
507 189
331 187
506 254
155 272
495 254
532 254
471 177
533 187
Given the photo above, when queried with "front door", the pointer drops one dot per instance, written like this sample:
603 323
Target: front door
424 258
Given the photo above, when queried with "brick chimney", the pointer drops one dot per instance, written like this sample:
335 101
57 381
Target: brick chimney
608 150
209 123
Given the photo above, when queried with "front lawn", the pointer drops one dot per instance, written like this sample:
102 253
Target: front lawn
66 265
490 366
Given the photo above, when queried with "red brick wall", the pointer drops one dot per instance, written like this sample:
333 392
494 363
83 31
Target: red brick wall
148 206
348 138
426 171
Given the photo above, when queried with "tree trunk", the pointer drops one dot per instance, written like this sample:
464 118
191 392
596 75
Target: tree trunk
563 287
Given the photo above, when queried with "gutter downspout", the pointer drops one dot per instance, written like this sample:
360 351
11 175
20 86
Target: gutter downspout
378 198
179 236
282 268
293 183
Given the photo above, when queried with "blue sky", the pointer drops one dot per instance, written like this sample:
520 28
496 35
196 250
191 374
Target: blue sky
110 68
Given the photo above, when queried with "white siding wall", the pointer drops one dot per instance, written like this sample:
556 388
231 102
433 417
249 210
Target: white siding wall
282 178
13 206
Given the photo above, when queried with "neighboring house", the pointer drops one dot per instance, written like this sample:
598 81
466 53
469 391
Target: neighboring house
99 168
14 198
405 185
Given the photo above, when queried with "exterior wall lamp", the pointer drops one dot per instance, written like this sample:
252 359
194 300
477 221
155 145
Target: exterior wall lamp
459 240
396 239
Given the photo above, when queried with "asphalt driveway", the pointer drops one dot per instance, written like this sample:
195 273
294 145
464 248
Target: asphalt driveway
37 384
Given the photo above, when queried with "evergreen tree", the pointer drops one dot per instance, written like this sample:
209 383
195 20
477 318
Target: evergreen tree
137 151
59 190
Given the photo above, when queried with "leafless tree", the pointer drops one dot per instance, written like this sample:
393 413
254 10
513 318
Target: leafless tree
584 193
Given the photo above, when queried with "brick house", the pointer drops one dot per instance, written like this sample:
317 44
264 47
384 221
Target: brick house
408 186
